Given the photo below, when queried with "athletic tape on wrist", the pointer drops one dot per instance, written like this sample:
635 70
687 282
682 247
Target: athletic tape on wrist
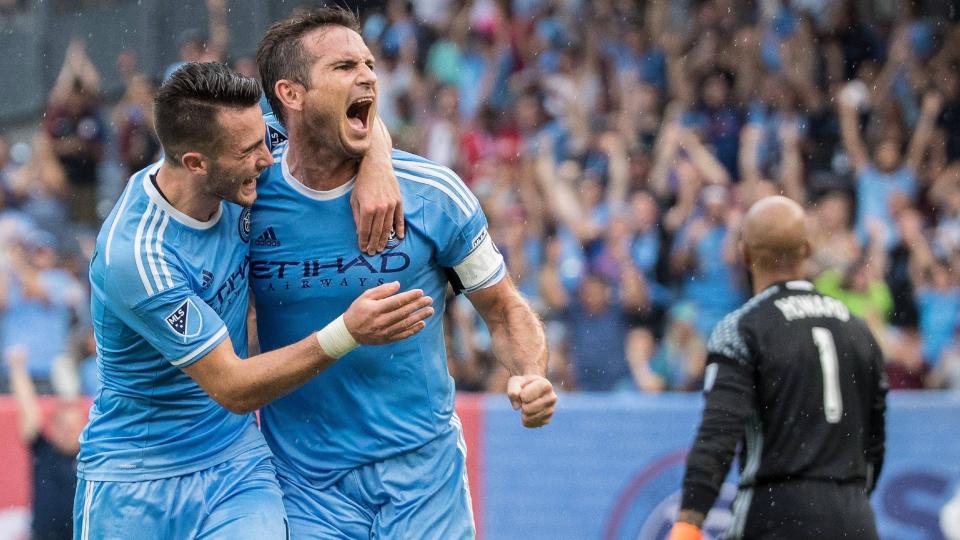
335 339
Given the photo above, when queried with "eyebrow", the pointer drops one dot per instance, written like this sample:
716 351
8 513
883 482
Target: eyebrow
350 60
252 147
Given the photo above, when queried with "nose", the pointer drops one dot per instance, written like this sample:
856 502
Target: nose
367 76
266 158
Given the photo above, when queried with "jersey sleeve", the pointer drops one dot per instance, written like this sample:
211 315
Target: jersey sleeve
152 296
729 393
457 226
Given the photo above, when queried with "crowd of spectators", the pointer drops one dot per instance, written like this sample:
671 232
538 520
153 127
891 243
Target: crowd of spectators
614 146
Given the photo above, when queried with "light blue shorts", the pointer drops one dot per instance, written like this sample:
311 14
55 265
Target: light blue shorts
419 495
239 499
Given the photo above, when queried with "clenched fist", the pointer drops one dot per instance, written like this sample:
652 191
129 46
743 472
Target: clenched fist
533 395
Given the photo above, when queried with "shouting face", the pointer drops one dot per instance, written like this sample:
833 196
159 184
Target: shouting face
340 102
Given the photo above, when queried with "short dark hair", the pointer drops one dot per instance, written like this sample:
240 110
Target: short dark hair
185 109
281 55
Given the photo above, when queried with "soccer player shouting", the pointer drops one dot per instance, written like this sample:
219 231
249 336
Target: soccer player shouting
371 448
172 449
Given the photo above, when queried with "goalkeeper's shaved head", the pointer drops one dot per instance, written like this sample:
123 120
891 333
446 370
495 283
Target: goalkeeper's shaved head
775 237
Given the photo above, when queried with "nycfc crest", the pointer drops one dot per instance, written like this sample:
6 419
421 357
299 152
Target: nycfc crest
393 241
243 227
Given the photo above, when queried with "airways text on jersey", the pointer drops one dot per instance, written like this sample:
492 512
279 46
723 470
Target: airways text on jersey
324 270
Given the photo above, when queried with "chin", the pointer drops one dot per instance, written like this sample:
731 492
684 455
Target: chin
356 147
242 200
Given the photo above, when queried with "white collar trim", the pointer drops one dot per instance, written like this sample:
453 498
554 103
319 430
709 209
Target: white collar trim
177 215
311 193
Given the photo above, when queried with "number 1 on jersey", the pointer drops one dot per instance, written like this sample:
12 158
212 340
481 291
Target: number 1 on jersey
832 403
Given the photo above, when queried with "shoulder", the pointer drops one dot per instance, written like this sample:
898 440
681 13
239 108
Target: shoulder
435 183
727 338
139 259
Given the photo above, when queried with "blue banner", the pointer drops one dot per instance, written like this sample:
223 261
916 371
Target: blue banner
610 467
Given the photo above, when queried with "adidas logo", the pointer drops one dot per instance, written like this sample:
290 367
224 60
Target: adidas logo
267 238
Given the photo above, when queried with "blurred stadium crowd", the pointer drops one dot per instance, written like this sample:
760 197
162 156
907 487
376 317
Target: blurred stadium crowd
614 145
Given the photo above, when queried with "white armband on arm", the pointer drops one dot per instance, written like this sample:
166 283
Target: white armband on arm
478 269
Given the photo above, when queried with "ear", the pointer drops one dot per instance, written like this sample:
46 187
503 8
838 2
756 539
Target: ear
745 254
195 162
807 249
291 94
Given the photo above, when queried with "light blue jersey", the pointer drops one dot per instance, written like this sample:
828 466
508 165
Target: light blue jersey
166 290
306 269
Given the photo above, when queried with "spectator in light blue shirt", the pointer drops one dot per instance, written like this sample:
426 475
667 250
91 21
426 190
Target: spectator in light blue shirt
884 174
39 302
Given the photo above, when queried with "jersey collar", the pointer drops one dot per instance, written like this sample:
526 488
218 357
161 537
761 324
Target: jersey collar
311 193
177 215
795 285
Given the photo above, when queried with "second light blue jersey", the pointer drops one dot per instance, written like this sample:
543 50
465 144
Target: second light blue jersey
166 290
306 269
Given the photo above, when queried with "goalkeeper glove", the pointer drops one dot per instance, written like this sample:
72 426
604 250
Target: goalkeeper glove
685 531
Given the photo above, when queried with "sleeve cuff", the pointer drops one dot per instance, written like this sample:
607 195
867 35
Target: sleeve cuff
201 350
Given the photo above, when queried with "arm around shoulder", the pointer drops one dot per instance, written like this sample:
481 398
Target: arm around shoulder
380 315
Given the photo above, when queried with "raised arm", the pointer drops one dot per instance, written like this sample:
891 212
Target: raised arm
932 102
218 29
378 316
376 201
791 164
703 159
554 183
24 393
749 141
613 146
921 256
664 157
76 67
520 345
850 132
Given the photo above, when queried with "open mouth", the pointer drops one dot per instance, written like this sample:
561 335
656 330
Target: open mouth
358 113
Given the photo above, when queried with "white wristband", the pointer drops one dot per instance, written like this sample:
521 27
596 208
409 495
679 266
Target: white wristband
335 339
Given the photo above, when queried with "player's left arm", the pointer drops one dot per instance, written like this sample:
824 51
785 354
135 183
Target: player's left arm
519 344
376 201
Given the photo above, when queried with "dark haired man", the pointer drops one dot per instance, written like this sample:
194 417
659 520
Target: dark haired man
172 449
800 380
371 449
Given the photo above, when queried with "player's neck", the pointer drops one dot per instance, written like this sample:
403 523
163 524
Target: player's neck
319 166
762 280
183 191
